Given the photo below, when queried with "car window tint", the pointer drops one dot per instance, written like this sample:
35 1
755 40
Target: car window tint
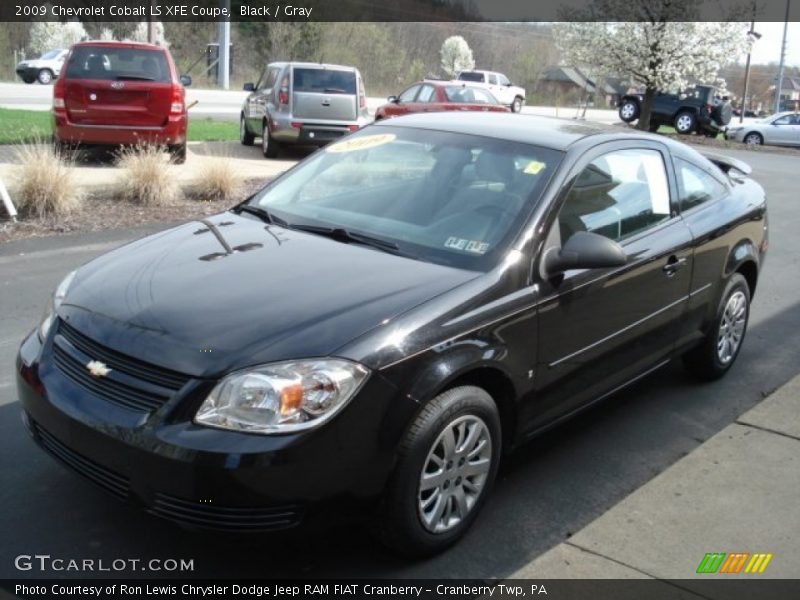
426 94
617 195
784 120
324 81
471 76
409 94
96 62
696 185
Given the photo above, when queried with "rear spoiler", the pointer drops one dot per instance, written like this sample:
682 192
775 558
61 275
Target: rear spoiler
726 163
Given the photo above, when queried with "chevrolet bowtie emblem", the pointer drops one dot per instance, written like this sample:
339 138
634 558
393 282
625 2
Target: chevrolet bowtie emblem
97 368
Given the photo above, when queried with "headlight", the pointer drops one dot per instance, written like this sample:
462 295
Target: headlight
282 397
55 301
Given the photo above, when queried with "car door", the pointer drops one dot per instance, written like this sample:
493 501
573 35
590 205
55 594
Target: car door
258 100
404 102
601 328
426 99
781 131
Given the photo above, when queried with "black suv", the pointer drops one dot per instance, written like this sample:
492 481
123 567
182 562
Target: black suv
698 109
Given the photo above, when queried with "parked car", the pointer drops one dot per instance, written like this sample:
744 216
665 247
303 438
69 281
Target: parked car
120 93
699 110
43 69
748 114
501 87
436 96
782 129
381 323
302 103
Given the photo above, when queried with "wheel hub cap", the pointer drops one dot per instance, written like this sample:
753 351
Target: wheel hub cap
684 123
731 327
627 111
454 473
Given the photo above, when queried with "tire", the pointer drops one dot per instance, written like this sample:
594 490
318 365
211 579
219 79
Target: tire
178 153
411 520
629 111
685 122
516 105
45 77
245 137
269 147
753 139
28 79
718 351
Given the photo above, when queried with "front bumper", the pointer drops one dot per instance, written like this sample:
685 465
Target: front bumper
27 72
201 477
172 133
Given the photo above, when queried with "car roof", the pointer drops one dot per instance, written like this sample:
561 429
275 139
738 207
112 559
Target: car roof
115 44
312 65
549 132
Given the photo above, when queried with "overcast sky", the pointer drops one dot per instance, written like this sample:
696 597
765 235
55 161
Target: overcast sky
768 48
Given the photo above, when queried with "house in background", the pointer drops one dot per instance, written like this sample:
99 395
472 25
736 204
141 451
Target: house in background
569 85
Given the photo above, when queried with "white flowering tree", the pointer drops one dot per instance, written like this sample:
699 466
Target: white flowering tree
653 48
456 56
53 35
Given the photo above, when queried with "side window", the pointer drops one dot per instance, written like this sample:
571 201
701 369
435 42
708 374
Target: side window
503 80
617 195
784 120
696 185
408 95
427 94
482 96
268 79
492 78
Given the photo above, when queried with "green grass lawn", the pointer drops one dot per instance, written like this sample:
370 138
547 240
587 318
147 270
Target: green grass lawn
19 126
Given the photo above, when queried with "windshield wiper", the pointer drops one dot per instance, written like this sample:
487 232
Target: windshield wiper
341 234
261 213
134 78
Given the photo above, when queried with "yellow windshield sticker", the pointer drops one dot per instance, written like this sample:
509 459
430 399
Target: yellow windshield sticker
534 167
361 143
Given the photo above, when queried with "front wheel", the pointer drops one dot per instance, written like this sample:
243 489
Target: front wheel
718 351
446 465
753 139
245 137
629 111
516 105
685 123
269 147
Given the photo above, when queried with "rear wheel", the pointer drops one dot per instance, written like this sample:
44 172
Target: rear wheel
718 351
178 153
629 111
516 105
269 147
753 139
446 465
45 76
685 123
245 137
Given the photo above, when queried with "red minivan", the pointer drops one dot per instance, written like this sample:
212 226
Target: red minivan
120 93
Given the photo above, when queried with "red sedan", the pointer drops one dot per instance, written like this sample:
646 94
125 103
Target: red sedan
436 96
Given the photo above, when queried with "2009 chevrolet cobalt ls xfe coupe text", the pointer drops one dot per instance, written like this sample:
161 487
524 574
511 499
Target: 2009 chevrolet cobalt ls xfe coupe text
381 323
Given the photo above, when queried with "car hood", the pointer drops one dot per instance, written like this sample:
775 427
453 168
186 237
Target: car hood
181 300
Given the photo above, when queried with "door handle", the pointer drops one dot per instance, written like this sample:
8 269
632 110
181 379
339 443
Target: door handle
673 265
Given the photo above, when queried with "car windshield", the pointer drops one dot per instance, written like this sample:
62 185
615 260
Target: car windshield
441 197
110 63
50 55
324 81
471 76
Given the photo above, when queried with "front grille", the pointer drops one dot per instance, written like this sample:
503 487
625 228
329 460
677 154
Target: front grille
105 478
225 518
145 388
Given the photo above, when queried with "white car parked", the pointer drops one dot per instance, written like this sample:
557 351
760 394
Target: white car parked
501 87
781 129
43 69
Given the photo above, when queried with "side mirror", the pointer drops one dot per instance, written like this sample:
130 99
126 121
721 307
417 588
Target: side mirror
392 99
584 250
186 80
249 87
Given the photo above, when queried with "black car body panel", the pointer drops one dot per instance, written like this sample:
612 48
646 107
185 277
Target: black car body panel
543 347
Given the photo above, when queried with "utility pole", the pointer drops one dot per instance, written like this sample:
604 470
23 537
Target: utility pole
779 85
752 36
224 64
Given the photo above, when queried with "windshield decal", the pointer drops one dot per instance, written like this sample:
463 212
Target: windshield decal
472 246
361 143
534 167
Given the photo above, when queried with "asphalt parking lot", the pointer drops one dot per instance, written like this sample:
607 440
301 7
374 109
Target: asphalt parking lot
551 488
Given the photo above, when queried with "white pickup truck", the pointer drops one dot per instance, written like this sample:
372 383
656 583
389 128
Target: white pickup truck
500 86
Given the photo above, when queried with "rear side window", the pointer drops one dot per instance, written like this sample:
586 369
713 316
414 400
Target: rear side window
468 95
426 94
471 76
697 186
618 195
132 64
324 81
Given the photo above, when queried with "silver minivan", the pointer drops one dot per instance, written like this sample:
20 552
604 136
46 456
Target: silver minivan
302 103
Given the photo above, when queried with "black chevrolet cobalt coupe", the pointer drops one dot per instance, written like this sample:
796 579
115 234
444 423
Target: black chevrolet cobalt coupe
378 326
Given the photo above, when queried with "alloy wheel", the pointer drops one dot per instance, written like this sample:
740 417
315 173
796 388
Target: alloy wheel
627 110
731 327
752 139
684 123
454 473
